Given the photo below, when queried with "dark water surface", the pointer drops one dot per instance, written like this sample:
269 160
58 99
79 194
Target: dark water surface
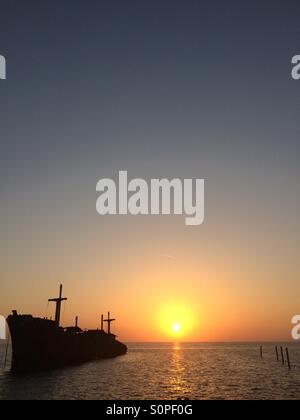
166 371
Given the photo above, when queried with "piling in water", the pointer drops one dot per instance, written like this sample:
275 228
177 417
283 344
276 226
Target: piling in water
282 355
288 358
277 354
261 352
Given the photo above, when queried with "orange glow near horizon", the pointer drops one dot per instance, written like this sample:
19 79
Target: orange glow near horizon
158 293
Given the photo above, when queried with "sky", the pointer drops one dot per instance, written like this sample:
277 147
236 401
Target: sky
162 89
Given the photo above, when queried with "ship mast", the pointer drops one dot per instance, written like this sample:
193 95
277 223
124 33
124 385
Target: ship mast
58 302
109 321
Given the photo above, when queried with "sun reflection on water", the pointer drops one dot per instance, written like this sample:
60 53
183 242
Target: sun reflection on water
177 379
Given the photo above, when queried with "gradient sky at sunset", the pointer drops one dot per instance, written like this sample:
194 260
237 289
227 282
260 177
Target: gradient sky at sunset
168 88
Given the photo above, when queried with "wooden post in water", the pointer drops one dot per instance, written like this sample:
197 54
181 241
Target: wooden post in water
288 358
282 355
261 352
277 354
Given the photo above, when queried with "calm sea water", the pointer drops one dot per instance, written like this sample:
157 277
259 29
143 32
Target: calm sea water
166 371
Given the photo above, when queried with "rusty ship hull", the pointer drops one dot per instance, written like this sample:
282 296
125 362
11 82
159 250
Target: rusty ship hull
40 344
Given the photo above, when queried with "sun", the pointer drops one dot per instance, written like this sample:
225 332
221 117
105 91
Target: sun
176 328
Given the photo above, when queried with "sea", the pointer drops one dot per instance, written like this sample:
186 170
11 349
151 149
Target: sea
166 371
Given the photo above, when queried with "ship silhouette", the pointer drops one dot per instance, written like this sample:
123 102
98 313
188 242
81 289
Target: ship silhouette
42 344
